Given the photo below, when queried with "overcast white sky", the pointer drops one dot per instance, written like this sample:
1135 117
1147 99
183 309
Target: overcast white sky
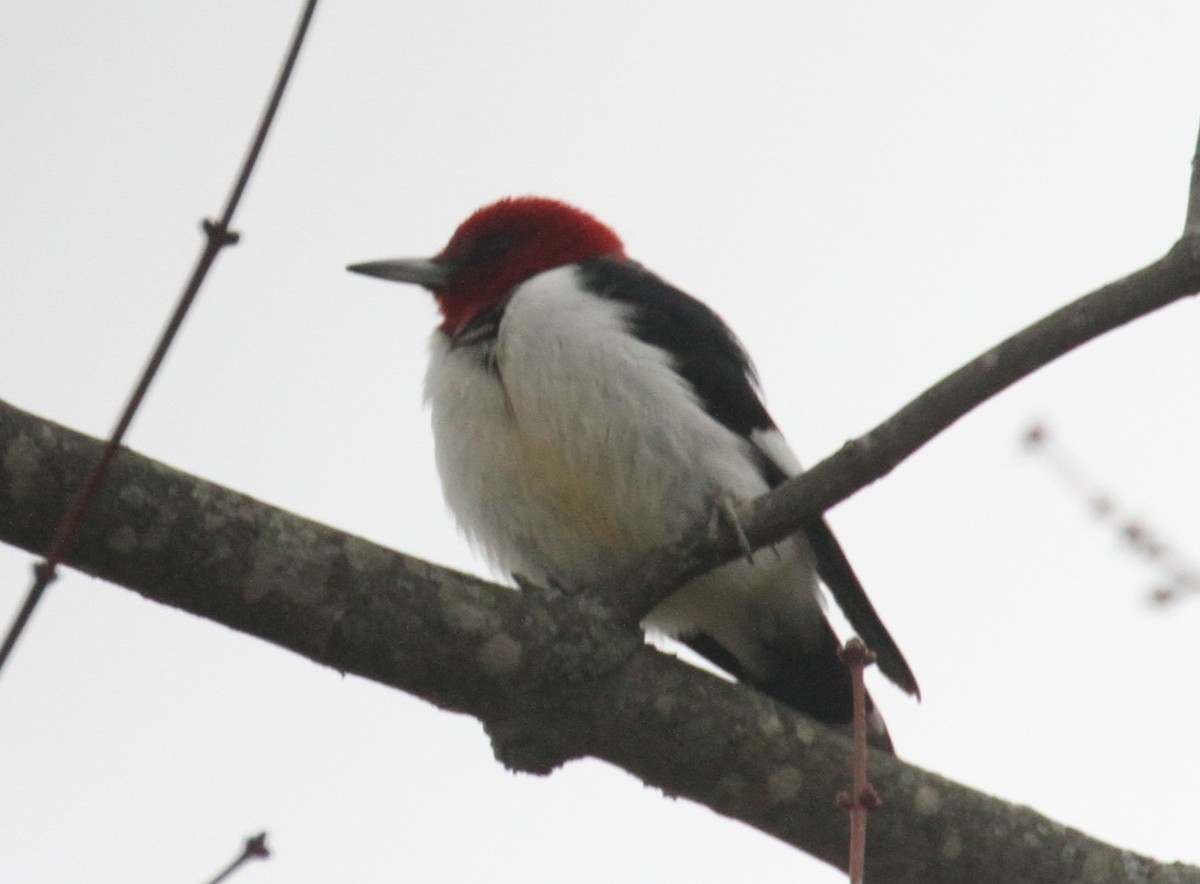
870 193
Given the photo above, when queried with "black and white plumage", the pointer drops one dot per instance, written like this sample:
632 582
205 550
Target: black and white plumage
586 412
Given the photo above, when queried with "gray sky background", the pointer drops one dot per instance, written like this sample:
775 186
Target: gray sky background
870 193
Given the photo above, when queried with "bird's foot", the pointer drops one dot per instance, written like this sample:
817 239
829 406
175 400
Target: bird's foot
548 585
727 513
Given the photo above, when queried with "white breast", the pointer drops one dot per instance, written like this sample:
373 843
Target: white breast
583 449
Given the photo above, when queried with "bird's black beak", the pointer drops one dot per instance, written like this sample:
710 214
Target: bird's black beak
420 271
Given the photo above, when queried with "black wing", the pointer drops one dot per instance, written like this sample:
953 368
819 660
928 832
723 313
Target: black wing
707 354
710 358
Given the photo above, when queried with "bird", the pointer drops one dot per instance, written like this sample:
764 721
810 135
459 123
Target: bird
586 412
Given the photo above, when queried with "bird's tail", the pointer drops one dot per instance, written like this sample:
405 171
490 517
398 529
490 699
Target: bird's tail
813 681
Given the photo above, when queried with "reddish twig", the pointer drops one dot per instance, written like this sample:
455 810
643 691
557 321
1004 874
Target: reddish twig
254 848
217 236
863 797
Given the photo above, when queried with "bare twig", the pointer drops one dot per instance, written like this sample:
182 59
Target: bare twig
254 848
863 798
1191 224
217 235
1180 576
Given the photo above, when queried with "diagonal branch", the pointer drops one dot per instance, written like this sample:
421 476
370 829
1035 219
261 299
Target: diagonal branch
552 677
556 676
861 461
218 235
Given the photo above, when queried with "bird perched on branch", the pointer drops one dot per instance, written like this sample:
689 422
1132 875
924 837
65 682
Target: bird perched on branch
585 412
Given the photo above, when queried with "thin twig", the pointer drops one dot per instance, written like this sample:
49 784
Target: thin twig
217 236
1191 224
1180 577
863 798
254 848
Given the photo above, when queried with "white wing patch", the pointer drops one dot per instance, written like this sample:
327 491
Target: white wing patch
773 445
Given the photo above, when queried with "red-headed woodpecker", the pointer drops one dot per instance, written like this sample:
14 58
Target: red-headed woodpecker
586 412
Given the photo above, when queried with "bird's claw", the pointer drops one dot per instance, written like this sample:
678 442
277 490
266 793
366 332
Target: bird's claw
727 512
549 584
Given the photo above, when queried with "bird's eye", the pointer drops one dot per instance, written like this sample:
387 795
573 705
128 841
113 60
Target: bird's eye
491 248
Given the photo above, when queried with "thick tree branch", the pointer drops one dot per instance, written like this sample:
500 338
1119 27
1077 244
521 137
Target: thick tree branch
551 676
555 676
